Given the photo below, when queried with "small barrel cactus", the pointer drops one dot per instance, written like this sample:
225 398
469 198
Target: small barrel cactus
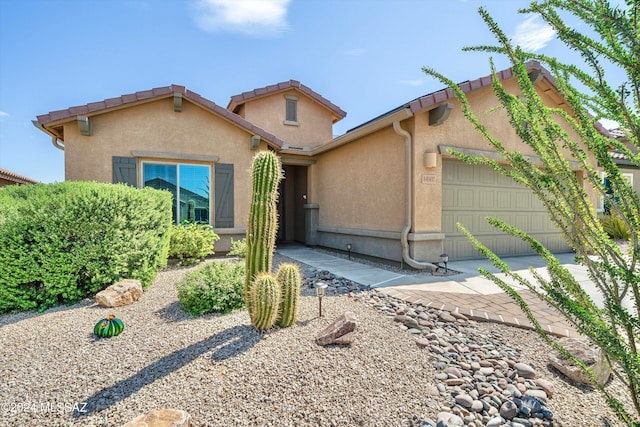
265 301
266 173
290 281
108 327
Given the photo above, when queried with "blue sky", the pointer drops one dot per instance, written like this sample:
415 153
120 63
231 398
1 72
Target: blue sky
363 55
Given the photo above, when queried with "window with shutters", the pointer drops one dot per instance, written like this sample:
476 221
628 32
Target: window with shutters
291 117
189 184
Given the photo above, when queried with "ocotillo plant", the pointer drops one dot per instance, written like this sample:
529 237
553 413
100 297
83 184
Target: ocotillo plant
265 301
266 173
289 280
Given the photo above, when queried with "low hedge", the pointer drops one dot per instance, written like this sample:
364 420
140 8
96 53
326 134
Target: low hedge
62 242
190 243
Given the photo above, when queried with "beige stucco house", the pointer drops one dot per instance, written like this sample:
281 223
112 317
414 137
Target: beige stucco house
387 187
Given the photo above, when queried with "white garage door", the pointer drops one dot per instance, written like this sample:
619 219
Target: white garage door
473 192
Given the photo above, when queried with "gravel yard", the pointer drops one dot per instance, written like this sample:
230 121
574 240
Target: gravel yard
224 373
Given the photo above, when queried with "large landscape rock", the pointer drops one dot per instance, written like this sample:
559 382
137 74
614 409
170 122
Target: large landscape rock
340 331
124 292
592 356
161 418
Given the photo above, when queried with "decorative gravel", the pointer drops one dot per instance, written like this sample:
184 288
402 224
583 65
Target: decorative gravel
224 373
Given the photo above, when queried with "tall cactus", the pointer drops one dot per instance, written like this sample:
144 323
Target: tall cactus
289 279
265 301
266 173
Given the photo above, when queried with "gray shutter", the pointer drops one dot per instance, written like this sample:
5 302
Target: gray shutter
124 170
224 195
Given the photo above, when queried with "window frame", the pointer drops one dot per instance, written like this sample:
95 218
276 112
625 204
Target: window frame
603 176
211 219
292 120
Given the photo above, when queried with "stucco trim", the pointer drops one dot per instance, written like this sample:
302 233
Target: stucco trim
392 235
297 162
176 156
226 231
425 237
535 160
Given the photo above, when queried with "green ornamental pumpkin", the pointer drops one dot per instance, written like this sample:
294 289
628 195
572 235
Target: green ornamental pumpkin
109 327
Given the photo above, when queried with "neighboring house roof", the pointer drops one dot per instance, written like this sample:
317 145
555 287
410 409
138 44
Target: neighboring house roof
14 177
238 101
618 134
433 99
52 121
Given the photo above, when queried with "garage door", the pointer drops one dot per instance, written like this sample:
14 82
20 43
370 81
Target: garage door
473 192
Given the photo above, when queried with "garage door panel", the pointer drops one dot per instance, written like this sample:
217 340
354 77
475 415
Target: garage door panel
486 199
473 192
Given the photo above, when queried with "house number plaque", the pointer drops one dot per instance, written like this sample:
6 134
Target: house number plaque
427 178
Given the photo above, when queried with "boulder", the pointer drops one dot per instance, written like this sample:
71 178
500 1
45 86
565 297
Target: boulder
124 292
161 418
340 331
592 356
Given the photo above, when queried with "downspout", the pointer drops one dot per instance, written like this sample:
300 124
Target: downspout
54 138
408 167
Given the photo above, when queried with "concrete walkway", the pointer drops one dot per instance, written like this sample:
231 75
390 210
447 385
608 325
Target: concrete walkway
467 292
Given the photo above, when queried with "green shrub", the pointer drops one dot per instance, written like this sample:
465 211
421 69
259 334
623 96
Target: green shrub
215 287
238 248
190 243
615 227
62 242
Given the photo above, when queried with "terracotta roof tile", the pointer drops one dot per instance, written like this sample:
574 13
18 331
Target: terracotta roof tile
238 100
147 95
431 100
15 177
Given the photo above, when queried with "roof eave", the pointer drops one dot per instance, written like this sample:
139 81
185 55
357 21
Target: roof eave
371 127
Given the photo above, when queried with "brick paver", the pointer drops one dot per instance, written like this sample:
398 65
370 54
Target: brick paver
498 308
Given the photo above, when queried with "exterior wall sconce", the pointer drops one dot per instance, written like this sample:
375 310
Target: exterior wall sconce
321 289
444 258
349 247
430 160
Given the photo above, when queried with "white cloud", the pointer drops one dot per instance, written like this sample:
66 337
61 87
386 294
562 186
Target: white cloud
253 17
3 114
416 82
533 34
356 52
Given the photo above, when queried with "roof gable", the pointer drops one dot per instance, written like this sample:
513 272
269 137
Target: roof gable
237 101
56 118
433 99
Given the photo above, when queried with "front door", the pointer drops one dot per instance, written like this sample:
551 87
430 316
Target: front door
293 197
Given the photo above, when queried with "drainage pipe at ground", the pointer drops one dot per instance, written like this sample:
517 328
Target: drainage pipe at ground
408 167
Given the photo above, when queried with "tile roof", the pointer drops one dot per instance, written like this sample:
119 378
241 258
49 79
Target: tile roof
14 177
239 100
123 101
431 100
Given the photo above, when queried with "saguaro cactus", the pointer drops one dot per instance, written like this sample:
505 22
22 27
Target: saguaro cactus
266 173
288 277
265 301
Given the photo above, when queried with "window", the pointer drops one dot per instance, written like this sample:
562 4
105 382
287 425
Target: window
189 184
604 204
291 117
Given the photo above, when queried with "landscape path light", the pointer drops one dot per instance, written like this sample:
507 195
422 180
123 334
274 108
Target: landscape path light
321 288
445 259
349 246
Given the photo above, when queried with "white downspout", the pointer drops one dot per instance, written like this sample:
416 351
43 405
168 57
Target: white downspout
408 167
